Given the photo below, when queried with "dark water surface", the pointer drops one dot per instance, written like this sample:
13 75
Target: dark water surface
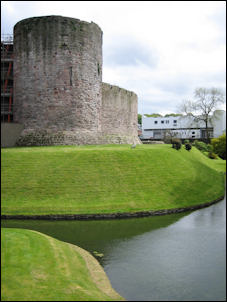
177 257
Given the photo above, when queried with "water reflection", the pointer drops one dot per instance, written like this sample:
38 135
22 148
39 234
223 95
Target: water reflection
180 257
96 234
185 261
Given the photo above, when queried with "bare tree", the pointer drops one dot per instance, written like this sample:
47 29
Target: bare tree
200 109
168 135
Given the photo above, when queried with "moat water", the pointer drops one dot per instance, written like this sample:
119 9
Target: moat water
178 257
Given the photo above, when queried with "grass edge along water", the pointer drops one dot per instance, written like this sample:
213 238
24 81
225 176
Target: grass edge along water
37 267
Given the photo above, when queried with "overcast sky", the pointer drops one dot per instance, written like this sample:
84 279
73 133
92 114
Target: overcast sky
161 50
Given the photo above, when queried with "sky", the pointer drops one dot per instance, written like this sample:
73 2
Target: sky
161 50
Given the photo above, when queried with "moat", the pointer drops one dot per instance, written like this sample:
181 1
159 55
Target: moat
178 257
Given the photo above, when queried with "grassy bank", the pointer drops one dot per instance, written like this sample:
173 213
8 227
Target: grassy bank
106 179
36 267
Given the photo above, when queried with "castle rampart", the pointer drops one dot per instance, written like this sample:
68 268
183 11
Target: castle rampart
119 113
59 97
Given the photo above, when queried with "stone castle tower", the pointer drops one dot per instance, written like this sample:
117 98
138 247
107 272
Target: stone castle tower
59 97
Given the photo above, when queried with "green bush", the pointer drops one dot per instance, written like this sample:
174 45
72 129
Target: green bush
202 146
194 142
167 139
176 143
219 146
212 155
210 148
188 146
186 141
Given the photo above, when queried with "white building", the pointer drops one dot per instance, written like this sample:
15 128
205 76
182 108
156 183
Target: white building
184 127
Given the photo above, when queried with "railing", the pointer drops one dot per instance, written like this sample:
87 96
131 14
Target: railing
6 47
6 109
7 38
7 78
5 74
7 57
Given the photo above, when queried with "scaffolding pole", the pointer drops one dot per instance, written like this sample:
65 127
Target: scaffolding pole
6 78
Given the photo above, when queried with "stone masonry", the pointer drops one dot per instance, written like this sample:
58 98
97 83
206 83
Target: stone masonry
119 114
59 97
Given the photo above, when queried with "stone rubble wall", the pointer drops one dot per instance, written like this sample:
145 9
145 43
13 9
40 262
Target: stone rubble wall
119 113
10 132
59 97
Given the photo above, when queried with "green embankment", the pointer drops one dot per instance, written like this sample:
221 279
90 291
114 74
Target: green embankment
37 267
106 179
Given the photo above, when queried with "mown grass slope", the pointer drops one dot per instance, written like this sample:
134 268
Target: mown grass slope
37 267
106 179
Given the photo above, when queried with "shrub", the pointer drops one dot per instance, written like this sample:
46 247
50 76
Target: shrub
212 155
176 143
210 148
186 141
188 146
219 146
194 142
167 139
202 146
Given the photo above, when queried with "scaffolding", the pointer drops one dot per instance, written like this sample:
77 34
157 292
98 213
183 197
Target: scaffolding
6 78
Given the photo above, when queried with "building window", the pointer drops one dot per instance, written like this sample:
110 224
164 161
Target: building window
193 132
157 134
162 122
167 122
174 121
155 122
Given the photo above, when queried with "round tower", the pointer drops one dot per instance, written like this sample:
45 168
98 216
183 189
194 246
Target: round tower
57 80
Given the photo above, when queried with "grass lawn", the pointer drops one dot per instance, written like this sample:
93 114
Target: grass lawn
37 267
106 179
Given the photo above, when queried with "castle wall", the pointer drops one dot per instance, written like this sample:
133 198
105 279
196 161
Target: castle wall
10 132
119 114
57 79
59 97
